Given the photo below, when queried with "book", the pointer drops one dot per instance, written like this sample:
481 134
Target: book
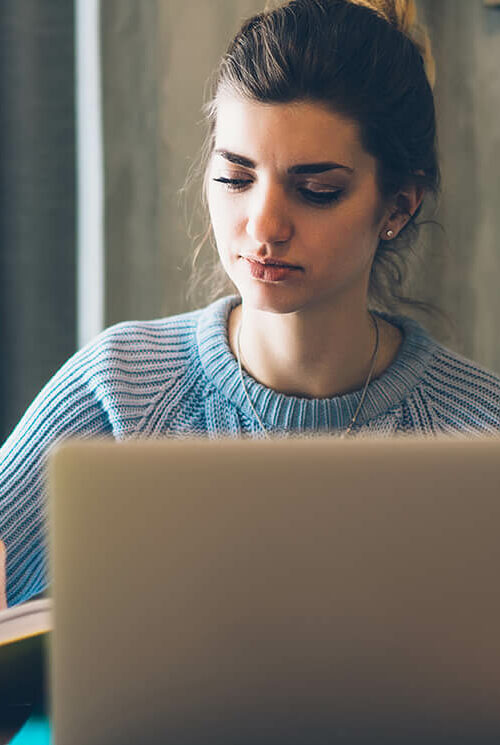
24 637
25 620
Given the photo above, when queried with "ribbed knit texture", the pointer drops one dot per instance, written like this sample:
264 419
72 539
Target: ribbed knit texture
178 377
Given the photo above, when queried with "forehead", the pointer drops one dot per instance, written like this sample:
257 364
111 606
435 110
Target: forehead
287 132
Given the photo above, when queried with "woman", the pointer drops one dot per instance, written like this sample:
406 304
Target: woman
322 150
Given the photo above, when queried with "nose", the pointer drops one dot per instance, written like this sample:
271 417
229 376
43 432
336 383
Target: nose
269 220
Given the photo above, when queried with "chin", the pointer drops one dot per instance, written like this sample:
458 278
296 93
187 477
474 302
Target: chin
270 298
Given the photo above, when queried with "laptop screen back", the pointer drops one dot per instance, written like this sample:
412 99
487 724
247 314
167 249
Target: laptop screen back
294 591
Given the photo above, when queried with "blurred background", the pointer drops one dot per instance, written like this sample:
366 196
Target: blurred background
100 121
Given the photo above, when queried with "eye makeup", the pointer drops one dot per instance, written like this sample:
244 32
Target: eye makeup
318 196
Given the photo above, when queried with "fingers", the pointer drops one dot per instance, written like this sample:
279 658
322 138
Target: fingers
3 578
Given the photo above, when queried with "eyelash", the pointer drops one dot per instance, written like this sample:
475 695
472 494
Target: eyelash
317 198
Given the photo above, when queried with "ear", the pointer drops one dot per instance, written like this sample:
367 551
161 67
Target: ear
402 208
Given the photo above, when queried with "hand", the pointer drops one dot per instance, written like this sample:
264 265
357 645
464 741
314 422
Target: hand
3 578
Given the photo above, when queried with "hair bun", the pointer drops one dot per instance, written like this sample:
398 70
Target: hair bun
403 15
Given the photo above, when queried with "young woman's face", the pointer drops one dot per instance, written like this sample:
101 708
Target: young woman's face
294 204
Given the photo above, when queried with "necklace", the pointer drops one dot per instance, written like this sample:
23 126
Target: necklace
363 393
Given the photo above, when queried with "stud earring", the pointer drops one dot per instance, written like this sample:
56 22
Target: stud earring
390 233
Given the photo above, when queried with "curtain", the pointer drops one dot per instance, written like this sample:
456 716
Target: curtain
37 198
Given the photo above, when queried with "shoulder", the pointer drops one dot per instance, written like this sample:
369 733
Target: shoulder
459 377
143 344
148 374
174 342
460 394
130 354
130 363
430 389
115 383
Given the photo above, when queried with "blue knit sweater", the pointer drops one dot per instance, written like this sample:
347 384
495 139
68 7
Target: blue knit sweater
178 377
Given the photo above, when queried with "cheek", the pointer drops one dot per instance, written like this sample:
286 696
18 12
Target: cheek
224 217
220 212
357 223
213 208
217 207
345 240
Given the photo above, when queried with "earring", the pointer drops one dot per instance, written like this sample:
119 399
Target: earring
390 233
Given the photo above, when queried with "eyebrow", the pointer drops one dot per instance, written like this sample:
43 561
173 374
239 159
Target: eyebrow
240 160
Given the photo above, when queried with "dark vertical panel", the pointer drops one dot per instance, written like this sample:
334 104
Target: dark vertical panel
37 198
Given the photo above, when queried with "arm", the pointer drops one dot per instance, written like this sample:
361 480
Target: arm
69 405
114 387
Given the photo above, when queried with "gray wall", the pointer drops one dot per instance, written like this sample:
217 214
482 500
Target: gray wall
157 57
466 42
131 59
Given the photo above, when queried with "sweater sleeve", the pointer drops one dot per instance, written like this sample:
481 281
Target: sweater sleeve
105 389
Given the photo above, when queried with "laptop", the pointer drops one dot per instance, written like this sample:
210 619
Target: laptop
284 592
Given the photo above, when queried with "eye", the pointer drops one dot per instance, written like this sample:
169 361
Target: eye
319 197
233 184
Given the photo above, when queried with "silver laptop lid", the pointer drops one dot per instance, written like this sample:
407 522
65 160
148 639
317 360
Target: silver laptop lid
283 592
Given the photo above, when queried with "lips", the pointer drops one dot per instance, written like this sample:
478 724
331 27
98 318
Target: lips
272 262
272 271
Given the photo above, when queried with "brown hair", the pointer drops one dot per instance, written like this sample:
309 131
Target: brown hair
366 59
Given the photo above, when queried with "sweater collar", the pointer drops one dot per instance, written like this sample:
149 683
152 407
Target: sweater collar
281 412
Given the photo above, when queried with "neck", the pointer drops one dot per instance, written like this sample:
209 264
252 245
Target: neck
311 355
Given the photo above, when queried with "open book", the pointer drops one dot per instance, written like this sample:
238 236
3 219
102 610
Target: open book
24 631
